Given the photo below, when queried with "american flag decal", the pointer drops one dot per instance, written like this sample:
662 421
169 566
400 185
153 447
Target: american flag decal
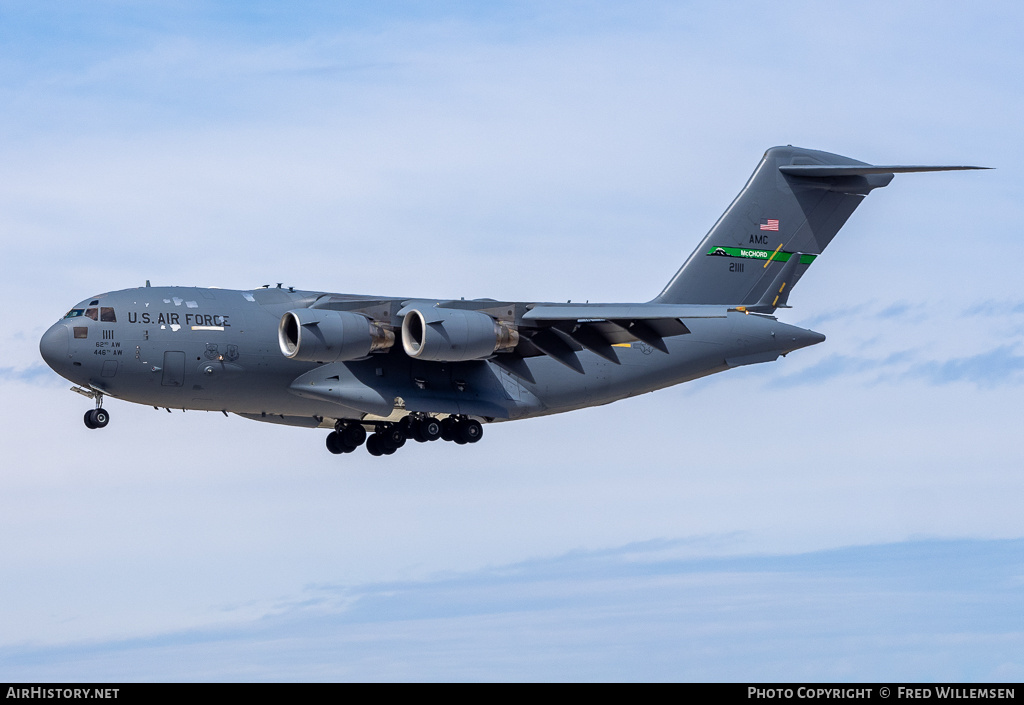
769 224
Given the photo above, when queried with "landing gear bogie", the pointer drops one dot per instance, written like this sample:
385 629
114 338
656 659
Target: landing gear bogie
470 431
392 436
337 444
461 430
428 429
385 441
346 437
448 428
373 445
354 435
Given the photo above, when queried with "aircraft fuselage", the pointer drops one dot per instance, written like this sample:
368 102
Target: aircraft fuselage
218 350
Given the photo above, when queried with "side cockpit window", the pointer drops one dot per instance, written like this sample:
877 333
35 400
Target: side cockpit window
107 315
92 313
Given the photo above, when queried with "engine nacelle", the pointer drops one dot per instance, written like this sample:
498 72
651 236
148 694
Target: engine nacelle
318 335
454 335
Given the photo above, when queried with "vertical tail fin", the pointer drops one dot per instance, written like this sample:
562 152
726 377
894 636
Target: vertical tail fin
793 205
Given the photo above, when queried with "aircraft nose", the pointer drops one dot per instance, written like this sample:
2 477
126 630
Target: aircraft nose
53 346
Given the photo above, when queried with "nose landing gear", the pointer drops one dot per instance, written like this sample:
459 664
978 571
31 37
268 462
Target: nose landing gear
98 417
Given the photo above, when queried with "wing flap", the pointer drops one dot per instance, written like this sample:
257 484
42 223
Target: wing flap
598 327
644 333
590 336
554 346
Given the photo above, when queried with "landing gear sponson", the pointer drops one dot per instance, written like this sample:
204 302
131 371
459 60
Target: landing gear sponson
388 437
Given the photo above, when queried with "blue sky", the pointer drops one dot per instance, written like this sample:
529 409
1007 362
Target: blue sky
523 151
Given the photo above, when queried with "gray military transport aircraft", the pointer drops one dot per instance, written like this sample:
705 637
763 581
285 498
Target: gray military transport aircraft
423 369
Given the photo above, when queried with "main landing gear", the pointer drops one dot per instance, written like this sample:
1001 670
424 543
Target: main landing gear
388 437
346 437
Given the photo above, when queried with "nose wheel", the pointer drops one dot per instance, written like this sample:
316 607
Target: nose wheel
97 418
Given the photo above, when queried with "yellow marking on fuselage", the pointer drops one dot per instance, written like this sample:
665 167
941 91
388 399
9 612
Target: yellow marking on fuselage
622 345
773 255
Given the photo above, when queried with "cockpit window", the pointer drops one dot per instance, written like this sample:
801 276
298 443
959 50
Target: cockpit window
104 314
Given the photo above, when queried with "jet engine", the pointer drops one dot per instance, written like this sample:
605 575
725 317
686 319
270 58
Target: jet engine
317 335
454 335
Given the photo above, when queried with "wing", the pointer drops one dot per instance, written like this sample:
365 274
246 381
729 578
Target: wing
560 331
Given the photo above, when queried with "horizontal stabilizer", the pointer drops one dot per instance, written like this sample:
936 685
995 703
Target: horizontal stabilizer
817 170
